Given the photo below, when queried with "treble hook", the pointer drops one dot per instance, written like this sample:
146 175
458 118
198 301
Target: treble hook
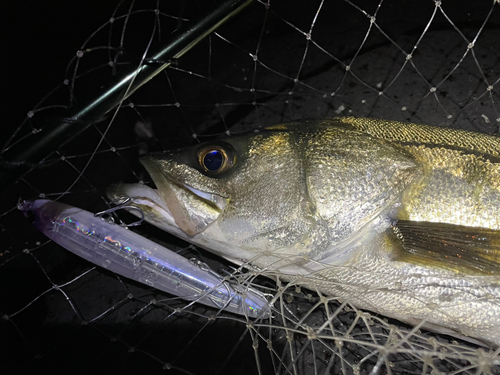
121 202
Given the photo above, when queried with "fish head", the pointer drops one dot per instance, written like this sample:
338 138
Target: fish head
291 191
240 185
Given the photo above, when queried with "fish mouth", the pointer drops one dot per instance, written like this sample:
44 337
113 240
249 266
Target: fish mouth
193 210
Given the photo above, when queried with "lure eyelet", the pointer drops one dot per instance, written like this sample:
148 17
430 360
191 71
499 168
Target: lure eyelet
215 159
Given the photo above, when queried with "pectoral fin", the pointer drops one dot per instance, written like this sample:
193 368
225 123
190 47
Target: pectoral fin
466 250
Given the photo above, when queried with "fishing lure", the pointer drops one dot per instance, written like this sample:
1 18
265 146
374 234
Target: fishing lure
129 254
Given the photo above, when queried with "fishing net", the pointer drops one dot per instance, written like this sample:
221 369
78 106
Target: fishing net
278 61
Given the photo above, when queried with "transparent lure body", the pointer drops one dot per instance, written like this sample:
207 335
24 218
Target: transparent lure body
129 254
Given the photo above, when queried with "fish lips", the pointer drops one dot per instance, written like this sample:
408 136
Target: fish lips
193 210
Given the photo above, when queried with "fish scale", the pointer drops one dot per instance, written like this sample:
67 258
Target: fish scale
464 306
397 218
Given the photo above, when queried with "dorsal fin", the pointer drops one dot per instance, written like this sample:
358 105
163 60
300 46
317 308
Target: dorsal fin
467 250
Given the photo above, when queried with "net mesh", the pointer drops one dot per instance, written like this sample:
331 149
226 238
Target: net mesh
425 62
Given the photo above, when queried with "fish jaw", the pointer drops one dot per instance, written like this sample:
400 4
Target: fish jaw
192 210
149 201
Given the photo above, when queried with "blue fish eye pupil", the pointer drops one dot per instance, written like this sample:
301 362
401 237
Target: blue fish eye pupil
213 160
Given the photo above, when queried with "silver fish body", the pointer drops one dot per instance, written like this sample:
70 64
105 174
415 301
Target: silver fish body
400 219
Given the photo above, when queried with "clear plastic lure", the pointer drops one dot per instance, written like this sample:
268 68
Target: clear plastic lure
129 254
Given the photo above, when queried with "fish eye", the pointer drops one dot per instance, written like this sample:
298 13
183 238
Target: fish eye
215 159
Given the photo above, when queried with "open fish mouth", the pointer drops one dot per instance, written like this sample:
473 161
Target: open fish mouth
192 210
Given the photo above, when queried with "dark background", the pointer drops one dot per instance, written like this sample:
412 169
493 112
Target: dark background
38 39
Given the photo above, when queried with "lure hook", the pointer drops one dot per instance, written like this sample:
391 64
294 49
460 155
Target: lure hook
121 205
